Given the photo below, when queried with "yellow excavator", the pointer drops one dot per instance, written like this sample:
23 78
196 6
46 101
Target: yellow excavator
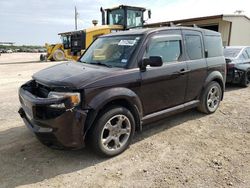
114 19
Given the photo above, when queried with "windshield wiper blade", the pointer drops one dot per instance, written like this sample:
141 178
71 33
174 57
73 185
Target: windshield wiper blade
99 63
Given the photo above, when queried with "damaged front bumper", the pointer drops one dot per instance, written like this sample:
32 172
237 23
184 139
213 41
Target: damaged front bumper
54 127
235 75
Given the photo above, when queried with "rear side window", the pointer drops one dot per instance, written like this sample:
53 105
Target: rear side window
194 46
169 50
213 45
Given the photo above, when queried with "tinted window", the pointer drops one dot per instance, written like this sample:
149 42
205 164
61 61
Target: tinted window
213 45
194 47
169 50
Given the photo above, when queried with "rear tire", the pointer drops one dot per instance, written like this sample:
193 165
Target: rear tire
112 133
210 98
58 55
42 57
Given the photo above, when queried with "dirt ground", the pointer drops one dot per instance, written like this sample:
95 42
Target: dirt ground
19 57
186 150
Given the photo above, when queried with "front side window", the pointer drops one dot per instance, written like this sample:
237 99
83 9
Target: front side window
169 50
113 51
134 18
194 46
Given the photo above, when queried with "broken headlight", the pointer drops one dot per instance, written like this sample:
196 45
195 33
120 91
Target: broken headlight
72 99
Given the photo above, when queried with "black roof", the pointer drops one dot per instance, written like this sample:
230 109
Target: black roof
126 6
146 31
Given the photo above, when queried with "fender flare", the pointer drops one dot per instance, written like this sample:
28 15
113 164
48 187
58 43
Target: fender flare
99 101
215 75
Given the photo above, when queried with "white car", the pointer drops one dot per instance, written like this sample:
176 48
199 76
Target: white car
9 51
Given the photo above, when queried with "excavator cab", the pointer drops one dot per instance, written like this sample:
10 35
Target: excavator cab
66 41
127 16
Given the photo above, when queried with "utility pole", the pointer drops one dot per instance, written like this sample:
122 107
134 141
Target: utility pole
76 14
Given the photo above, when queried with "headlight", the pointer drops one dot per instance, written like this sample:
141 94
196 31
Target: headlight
73 98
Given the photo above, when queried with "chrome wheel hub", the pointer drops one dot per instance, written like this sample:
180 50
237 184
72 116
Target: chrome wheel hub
116 132
213 98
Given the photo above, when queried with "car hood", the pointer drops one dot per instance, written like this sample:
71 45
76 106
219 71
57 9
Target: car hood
72 74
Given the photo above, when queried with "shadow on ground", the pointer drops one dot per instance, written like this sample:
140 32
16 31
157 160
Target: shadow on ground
25 161
233 87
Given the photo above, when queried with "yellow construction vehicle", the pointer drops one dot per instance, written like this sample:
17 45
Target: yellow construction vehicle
75 42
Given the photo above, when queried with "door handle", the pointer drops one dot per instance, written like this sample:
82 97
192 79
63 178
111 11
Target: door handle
183 71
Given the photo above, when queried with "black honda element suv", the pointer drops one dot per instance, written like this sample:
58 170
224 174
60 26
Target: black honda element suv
122 81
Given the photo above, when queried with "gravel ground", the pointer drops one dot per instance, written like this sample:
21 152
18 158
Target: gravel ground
186 150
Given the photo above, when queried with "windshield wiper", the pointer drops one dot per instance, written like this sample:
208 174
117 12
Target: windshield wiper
99 63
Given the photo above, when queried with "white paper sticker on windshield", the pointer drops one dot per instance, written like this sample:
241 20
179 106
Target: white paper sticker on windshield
124 60
127 42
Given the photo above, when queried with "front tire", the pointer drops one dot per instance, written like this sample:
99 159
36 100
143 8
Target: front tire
113 132
58 55
210 98
246 79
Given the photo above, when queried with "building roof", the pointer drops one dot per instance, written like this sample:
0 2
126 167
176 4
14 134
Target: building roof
236 15
220 16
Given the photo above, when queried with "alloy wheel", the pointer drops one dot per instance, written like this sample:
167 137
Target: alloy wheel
116 133
213 98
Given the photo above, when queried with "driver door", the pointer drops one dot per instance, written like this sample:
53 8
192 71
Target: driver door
164 87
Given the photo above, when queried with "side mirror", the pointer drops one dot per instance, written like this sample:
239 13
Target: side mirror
149 14
153 61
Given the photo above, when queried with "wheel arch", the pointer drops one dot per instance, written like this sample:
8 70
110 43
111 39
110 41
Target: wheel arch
114 97
217 77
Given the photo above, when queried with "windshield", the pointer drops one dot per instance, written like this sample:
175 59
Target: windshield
111 51
116 17
231 52
134 18
66 41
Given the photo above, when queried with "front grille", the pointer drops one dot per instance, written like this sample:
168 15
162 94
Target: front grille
37 89
41 90
46 112
42 111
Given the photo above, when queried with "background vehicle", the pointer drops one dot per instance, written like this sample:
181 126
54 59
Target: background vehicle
238 64
111 92
9 51
75 42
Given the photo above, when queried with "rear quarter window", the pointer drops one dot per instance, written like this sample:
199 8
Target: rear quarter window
213 45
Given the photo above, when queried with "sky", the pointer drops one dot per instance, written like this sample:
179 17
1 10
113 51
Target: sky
35 22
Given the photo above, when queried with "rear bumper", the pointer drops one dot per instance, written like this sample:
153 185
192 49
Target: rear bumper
61 129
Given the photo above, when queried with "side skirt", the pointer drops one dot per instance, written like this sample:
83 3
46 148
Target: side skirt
168 112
